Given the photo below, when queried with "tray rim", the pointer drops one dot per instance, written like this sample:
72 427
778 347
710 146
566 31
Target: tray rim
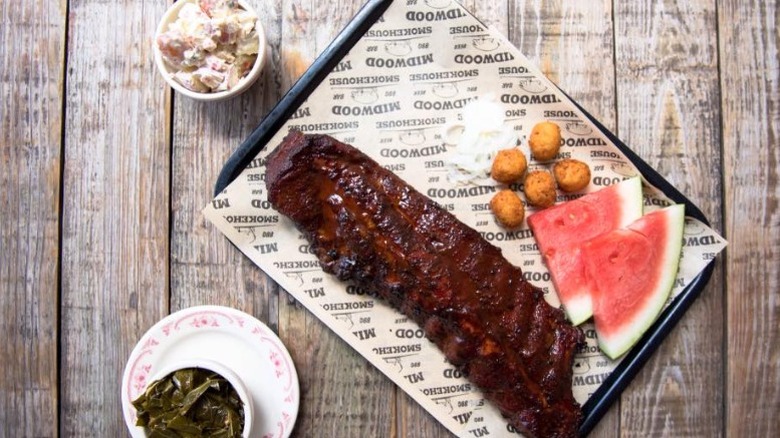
610 390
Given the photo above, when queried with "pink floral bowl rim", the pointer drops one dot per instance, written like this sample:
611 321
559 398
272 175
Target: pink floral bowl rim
237 340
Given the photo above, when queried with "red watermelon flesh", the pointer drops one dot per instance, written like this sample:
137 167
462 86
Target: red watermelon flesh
561 230
633 270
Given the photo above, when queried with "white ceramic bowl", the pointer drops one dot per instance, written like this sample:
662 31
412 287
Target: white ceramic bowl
237 341
232 378
170 16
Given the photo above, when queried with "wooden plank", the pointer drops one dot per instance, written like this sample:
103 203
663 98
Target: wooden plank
667 94
750 78
339 389
572 43
205 267
494 13
413 420
343 395
32 59
115 206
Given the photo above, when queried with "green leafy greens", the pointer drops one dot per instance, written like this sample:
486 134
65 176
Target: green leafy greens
190 403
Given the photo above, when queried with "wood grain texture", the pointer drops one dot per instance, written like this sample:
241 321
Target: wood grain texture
413 420
98 154
750 90
205 267
31 77
494 13
341 393
115 206
572 43
667 94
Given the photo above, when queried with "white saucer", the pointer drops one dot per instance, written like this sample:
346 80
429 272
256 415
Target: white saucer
232 338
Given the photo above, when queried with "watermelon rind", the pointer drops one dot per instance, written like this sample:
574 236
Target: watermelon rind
631 200
616 343
560 245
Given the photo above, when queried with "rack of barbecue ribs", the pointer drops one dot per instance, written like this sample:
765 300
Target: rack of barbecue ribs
368 226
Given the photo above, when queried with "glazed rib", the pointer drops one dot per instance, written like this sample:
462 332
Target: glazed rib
368 226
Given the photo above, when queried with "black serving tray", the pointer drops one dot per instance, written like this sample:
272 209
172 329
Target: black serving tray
610 390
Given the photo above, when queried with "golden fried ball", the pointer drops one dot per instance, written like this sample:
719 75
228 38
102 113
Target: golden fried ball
508 208
545 141
571 175
539 189
508 166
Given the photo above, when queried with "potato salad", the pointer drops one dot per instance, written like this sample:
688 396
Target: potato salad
211 45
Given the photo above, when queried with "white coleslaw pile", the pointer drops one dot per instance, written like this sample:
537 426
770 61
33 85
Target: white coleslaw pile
482 134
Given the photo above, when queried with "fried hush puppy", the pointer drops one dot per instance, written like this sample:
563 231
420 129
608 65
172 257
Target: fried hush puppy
545 141
508 208
509 166
539 189
571 175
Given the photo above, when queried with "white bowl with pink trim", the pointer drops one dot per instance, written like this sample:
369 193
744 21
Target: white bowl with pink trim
239 344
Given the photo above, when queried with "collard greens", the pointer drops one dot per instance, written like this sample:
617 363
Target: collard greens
190 403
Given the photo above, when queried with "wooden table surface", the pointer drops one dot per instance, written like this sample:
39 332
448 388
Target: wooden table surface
104 172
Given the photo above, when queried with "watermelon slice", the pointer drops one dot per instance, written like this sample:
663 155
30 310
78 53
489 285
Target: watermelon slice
633 270
561 230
